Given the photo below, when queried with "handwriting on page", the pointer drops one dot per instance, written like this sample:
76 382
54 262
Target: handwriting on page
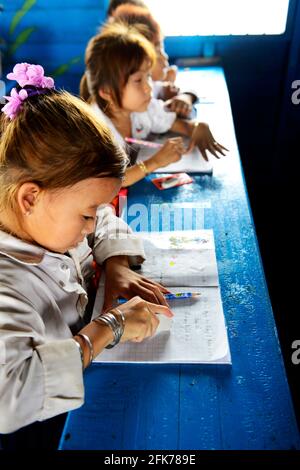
183 261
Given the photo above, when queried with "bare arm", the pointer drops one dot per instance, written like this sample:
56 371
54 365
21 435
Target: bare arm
170 152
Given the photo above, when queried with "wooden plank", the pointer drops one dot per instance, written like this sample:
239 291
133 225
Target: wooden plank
246 406
127 407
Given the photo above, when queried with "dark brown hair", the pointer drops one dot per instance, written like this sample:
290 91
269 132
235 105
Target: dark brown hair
138 16
113 4
111 57
54 141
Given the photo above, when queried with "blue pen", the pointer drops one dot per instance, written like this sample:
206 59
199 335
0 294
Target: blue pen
177 296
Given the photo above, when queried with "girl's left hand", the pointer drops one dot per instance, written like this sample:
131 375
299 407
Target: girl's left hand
203 138
121 281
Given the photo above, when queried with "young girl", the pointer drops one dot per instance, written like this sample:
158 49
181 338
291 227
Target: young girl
59 167
163 75
117 84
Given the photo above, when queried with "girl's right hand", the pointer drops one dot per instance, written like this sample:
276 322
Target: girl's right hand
170 152
140 318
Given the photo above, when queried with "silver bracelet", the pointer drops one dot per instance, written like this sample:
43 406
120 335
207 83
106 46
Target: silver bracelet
115 325
89 343
81 352
121 315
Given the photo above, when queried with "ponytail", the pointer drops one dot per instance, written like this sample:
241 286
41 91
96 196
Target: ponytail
84 89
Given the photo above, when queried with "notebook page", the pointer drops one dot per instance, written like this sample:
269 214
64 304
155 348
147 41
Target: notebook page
185 258
197 335
192 162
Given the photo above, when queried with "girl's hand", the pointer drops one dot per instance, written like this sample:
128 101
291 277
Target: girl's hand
171 151
140 319
168 90
121 281
171 73
203 138
181 105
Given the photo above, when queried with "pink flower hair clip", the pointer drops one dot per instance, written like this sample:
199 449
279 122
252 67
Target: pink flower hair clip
30 76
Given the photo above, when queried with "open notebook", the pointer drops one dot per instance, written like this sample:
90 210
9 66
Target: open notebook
192 162
184 261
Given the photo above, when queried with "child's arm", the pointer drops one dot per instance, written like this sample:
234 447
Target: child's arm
200 135
121 281
138 320
181 104
117 248
40 369
170 152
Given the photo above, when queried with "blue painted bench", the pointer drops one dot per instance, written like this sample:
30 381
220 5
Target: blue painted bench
247 406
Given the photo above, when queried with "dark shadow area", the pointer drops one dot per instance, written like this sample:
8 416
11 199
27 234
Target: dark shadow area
41 436
275 215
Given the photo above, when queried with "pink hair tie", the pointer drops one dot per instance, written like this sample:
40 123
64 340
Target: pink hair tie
26 75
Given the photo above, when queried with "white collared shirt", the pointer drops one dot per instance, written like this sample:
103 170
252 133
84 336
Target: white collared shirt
42 297
156 119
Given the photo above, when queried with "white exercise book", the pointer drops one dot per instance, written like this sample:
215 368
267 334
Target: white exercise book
184 261
192 162
185 258
197 334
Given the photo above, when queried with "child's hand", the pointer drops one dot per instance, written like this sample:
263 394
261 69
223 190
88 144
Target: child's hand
140 319
168 90
171 151
121 281
171 73
203 138
181 105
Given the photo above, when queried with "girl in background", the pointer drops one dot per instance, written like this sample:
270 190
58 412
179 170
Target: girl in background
163 75
117 84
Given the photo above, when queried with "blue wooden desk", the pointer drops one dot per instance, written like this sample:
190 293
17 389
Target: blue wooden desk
246 406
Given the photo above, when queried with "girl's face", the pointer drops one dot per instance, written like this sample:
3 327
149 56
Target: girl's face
161 64
60 220
138 90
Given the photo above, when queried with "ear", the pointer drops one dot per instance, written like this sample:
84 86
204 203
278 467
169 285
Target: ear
105 94
27 197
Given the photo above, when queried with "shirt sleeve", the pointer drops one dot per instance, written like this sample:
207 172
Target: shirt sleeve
161 119
113 237
39 378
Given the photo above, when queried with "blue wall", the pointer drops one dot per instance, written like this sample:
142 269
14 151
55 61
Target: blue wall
53 33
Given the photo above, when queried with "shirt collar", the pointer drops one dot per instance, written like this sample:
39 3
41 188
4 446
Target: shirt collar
20 250
100 114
